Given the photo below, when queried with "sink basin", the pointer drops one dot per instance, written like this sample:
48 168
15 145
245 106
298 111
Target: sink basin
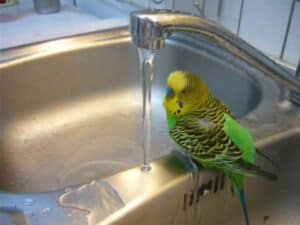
72 116
170 195
70 113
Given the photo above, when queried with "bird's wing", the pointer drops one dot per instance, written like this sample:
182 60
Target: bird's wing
204 138
209 143
241 138
248 169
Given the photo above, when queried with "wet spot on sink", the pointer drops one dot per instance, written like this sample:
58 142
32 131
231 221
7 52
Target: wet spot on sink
100 199
265 219
12 215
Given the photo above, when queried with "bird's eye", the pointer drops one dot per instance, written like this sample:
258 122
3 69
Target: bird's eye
170 92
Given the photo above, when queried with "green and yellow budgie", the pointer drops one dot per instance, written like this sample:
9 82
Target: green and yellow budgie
203 127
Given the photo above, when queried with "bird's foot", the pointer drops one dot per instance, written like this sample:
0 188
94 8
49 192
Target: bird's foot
188 161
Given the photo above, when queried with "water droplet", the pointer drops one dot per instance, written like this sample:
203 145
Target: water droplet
28 202
12 206
26 180
206 192
252 118
28 213
68 189
125 114
47 210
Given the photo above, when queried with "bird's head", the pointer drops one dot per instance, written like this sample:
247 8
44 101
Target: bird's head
185 93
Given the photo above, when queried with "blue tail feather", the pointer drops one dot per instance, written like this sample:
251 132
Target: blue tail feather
243 201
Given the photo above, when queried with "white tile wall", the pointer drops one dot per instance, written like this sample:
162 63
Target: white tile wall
183 5
292 51
211 9
230 14
263 22
106 10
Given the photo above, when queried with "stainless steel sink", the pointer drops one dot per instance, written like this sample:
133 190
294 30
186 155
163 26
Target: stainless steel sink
70 113
70 117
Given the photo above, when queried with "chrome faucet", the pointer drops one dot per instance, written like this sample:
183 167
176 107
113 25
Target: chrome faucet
150 29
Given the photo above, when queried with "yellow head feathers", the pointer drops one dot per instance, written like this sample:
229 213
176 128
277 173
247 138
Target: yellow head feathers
185 93
177 80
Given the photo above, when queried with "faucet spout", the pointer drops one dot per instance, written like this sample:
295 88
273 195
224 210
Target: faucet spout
145 31
149 29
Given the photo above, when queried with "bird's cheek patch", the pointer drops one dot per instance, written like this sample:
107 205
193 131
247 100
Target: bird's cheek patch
178 108
174 113
177 112
172 106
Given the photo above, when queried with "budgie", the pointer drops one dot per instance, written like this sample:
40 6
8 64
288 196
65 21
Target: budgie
204 128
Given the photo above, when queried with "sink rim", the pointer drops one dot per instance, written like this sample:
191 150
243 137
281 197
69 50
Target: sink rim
20 54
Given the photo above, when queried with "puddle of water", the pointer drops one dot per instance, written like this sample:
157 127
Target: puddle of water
100 199
87 171
46 210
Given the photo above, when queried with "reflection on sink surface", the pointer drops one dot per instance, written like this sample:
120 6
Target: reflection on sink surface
71 117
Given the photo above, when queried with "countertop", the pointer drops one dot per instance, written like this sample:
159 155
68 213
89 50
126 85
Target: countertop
21 25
